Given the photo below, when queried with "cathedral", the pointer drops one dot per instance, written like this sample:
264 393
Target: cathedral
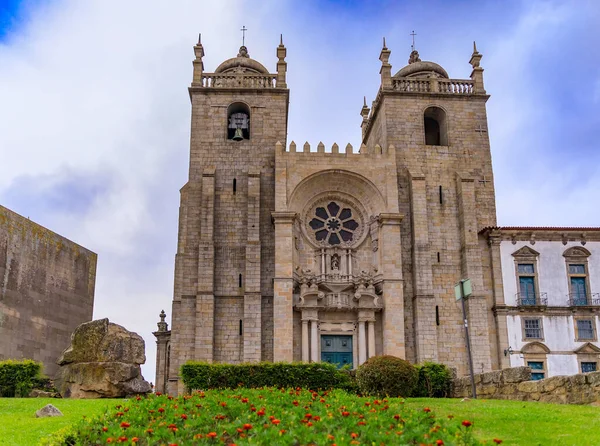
296 253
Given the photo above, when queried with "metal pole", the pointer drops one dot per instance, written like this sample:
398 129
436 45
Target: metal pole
464 310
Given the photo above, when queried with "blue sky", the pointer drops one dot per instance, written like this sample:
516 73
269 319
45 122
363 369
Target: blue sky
94 110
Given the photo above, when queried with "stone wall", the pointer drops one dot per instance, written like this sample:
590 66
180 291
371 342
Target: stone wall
515 384
46 290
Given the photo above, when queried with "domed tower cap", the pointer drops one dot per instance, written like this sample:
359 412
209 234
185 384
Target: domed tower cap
242 63
418 68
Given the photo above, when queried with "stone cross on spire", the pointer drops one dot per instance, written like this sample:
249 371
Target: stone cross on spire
413 34
243 30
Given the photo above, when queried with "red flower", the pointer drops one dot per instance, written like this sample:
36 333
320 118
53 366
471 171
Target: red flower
122 439
308 416
135 439
276 421
467 423
322 400
125 425
427 409
497 441
223 403
149 431
171 426
353 435
104 429
317 418
345 414
361 423
450 417
261 412
183 416
172 444
309 424
244 400
247 426
396 417
161 409
120 414
109 440
330 437
439 442
211 434
282 431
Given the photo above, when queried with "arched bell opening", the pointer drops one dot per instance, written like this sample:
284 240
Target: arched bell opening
238 122
436 132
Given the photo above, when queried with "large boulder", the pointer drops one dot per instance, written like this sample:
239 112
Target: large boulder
103 361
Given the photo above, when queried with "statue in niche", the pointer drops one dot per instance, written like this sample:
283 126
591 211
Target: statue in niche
335 262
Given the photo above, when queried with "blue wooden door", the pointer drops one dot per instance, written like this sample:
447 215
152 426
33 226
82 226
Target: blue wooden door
579 290
527 290
337 349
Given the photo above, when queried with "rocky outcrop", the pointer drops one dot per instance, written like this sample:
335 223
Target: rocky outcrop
515 384
103 361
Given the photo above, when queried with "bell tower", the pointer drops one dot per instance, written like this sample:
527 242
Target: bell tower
438 126
223 296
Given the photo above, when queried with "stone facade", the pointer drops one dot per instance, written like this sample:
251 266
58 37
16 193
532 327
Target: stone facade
46 290
288 253
516 384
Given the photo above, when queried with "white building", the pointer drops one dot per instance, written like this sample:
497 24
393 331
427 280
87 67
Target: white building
551 298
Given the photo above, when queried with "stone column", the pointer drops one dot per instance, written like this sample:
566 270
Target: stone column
371 335
305 349
283 287
362 343
314 341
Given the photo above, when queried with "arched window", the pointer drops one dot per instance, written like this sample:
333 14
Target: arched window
436 133
577 273
238 122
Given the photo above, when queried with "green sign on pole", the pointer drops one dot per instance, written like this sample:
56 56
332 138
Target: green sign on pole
466 291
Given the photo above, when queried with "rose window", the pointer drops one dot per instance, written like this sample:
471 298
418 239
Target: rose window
333 224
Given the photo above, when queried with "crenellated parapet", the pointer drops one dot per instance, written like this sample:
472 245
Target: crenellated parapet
364 150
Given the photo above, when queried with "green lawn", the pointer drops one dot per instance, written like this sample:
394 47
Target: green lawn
521 423
516 423
19 426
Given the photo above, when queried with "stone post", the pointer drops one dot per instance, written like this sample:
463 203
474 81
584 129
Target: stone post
386 68
281 65
198 64
477 73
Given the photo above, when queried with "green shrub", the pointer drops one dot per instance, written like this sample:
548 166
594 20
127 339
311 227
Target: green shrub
17 377
315 376
387 376
435 380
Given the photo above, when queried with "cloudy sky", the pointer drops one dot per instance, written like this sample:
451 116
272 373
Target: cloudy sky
94 110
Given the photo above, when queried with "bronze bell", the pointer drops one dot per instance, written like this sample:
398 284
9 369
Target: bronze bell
238 135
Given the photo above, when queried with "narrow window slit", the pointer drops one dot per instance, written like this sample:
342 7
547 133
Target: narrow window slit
437 315
441 196
438 256
234 186
240 281
241 327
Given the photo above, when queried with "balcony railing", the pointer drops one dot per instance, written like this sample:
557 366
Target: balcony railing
212 80
584 300
433 85
532 300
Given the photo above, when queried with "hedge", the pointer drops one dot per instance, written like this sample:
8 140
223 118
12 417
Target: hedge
435 380
17 378
314 376
387 375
